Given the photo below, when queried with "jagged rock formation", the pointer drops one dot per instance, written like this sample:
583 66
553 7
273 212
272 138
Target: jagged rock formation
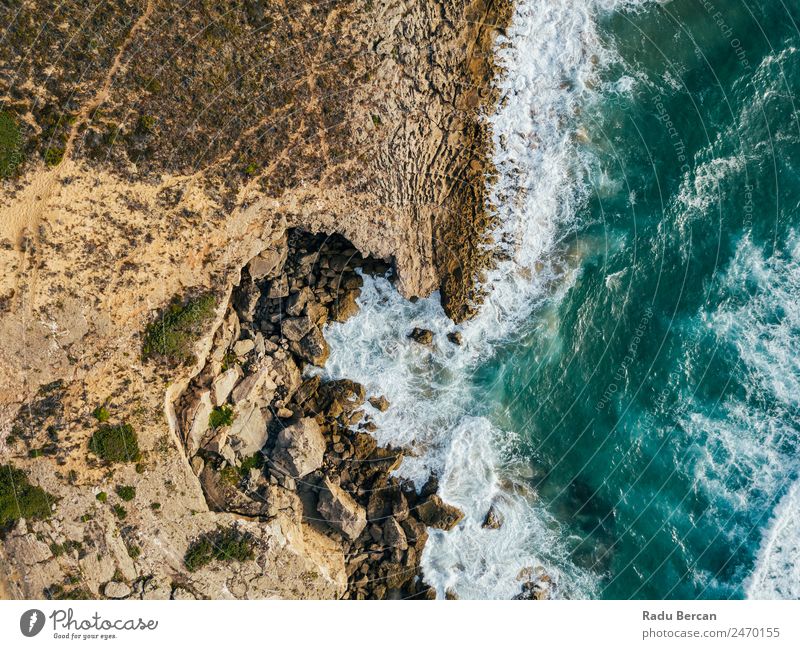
158 162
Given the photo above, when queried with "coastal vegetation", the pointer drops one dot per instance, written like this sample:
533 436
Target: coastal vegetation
223 544
10 145
115 443
19 498
172 335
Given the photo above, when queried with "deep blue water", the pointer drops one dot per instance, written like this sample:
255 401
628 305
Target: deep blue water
660 413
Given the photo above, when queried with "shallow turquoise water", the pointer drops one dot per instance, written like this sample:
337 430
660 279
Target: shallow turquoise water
658 400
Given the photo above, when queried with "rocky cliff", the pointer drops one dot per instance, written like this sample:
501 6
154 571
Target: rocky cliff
156 161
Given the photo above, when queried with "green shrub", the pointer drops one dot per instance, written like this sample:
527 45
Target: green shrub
53 156
115 443
102 496
221 416
120 511
126 492
172 336
10 145
101 414
19 498
224 544
155 506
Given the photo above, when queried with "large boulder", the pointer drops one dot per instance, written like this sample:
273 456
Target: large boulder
339 509
248 432
312 348
434 512
294 329
421 336
269 263
256 387
300 448
222 385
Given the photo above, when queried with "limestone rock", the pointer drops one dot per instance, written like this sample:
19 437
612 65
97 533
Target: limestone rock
248 432
116 590
223 384
298 301
256 386
340 510
197 422
295 328
243 347
269 263
300 448
312 348
345 307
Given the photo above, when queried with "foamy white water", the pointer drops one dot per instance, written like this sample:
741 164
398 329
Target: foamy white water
548 58
777 572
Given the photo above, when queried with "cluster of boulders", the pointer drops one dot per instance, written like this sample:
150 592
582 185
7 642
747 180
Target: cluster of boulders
264 441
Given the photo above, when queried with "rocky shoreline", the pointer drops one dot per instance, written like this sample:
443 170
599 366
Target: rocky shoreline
143 187
304 448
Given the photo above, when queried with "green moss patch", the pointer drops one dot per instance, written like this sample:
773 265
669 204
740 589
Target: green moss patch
172 336
19 498
224 544
115 443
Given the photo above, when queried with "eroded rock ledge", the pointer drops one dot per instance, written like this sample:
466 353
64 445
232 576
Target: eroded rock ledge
267 444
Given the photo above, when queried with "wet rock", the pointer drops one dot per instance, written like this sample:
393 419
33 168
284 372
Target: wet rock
300 448
493 519
364 445
345 307
436 513
421 336
455 337
116 590
340 510
381 403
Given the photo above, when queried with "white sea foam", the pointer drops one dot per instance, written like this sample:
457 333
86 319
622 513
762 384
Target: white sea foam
777 571
547 58
750 444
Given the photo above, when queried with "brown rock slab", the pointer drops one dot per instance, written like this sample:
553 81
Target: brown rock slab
339 509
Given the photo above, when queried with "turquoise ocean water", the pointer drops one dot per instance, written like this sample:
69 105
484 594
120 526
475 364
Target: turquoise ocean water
630 402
